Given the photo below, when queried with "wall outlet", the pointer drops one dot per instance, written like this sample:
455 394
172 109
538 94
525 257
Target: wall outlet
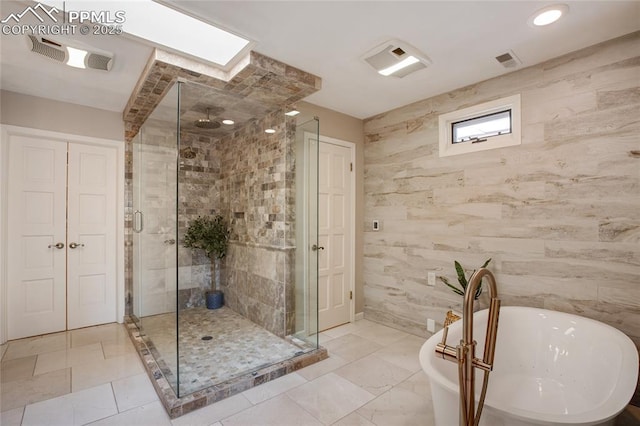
431 278
375 225
431 325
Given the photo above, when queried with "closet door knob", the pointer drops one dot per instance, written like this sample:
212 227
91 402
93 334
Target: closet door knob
74 245
59 246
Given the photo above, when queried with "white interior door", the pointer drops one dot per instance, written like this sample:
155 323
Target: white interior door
334 235
37 240
91 238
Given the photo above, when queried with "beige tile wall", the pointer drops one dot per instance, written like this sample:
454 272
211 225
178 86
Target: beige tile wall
559 215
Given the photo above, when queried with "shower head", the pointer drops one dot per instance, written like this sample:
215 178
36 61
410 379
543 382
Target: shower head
207 123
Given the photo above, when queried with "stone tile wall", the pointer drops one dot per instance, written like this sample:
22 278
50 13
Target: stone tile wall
262 82
199 190
257 197
245 175
559 215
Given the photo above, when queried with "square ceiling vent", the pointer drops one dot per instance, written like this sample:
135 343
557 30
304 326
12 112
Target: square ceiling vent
397 59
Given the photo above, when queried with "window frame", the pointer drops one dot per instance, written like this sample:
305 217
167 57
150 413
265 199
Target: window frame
445 124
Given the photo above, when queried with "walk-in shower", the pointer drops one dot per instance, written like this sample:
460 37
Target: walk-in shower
264 186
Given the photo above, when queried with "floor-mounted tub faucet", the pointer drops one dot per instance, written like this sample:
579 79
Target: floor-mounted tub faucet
464 353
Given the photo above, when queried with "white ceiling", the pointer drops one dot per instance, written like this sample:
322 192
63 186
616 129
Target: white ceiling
329 38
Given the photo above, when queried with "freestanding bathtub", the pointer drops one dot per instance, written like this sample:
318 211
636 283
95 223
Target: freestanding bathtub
550 368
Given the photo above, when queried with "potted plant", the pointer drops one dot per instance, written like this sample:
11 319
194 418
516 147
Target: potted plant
453 316
210 234
463 281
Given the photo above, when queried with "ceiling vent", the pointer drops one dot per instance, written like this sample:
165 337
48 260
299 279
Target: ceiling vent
72 56
397 59
508 60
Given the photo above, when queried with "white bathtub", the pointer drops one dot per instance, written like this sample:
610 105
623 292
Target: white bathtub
550 368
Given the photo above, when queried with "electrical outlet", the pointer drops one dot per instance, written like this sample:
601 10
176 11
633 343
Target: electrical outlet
375 225
431 325
431 278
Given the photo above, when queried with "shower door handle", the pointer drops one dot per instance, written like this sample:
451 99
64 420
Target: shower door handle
138 221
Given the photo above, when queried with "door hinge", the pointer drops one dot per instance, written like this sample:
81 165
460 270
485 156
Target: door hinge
351 167
350 295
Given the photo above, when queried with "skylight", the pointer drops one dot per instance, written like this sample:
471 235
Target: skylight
160 25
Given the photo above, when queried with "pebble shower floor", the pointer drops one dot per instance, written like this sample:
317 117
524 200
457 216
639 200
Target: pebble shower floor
214 346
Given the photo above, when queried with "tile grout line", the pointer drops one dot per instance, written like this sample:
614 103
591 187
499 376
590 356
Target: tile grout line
303 409
113 392
35 364
344 378
70 379
281 393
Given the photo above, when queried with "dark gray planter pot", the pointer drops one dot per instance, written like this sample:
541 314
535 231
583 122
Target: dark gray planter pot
215 299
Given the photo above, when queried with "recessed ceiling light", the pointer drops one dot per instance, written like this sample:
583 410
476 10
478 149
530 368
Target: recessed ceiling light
270 131
292 113
228 122
548 15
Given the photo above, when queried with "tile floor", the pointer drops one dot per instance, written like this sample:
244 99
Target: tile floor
93 376
237 345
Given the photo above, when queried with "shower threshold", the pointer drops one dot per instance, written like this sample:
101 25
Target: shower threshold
216 363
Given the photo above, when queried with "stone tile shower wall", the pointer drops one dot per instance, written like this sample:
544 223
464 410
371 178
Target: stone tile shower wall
259 84
559 215
246 177
199 189
258 186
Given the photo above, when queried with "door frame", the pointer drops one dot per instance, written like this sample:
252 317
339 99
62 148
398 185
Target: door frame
352 216
8 131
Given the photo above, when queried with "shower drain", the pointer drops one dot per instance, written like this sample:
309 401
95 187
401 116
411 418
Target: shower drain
207 337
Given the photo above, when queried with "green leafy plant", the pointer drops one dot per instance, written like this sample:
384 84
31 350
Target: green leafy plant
462 279
210 234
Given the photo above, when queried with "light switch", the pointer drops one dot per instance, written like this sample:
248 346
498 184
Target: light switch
431 278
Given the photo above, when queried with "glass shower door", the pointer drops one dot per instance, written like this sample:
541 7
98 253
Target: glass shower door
155 233
307 248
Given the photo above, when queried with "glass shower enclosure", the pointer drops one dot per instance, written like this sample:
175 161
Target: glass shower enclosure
259 176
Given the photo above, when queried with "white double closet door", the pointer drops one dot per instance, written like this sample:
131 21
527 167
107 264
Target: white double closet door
62 236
